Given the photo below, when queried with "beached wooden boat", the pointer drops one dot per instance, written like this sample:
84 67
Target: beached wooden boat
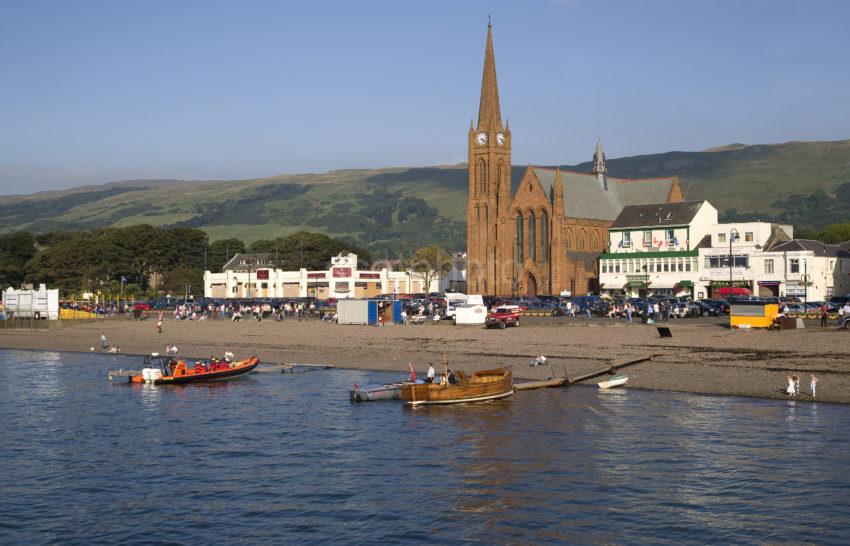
483 385
159 370
372 393
616 381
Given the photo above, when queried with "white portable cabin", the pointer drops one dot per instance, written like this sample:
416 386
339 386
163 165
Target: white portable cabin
353 311
470 313
31 304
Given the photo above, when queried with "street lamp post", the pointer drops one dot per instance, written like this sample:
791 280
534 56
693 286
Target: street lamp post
301 255
733 236
805 281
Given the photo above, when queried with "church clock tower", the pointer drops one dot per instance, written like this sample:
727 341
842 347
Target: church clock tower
489 192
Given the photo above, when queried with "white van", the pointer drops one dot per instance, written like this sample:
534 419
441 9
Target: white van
454 299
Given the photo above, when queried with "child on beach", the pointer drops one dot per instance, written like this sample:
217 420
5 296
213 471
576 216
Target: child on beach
814 385
791 390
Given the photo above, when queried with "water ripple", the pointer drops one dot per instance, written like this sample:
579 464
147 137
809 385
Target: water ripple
287 459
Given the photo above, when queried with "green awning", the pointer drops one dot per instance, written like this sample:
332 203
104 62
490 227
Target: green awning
686 284
636 284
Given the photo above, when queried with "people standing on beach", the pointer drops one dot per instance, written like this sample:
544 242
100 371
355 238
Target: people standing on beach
814 385
103 344
824 315
629 312
796 379
791 390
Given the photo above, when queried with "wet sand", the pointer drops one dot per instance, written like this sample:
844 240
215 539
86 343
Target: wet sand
700 358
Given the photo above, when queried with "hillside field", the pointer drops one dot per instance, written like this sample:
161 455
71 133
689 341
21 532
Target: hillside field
398 209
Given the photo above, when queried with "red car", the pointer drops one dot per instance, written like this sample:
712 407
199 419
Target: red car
142 306
504 316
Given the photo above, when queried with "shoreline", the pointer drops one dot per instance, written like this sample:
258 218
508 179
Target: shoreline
705 359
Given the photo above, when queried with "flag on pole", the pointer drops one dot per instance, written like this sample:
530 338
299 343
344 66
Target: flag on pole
412 373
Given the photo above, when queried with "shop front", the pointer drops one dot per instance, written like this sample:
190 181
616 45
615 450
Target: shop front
725 289
768 289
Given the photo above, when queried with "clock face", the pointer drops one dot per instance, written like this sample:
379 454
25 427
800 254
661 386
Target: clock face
500 138
481 138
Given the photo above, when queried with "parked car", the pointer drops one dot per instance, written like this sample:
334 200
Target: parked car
702 309
503 316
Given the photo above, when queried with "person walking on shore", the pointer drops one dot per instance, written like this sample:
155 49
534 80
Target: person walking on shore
103 344
796 379
814 385
629 312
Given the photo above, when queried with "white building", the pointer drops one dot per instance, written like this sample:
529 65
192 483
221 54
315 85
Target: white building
652 249
810 270
30 303
255 276
752 269
455 280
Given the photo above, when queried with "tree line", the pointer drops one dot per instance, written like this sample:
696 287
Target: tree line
152 261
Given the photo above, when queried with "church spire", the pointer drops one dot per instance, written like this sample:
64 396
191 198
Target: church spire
489 111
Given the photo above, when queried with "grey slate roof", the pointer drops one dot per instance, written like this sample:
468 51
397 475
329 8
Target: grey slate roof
585 198
798 245
259 260
659 214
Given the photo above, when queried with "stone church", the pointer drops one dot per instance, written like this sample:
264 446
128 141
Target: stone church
542 232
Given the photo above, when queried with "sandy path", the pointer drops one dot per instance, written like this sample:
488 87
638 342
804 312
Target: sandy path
700 358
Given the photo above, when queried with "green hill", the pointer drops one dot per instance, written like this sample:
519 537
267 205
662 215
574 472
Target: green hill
806 183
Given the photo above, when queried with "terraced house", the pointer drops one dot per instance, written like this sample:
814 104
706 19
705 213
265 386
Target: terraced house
541 233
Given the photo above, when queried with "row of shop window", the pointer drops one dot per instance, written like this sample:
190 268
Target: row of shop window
656 265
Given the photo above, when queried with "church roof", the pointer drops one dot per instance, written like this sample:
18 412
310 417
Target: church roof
585 198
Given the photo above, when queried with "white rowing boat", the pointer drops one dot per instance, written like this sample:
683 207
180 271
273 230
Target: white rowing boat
616 381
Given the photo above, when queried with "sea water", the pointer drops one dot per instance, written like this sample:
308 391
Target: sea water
287 459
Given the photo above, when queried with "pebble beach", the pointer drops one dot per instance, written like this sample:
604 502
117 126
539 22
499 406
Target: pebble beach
699 358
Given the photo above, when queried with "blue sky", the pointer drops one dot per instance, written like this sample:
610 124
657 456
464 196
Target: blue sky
97 91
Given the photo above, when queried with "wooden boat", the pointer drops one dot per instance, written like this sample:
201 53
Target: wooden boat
371 393
159 370
483 385
616 381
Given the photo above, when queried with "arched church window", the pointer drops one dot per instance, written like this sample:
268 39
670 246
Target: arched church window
568 238
486 217
499 175
595 241
544 237
532 236
582 240
519 250
477 213
482 176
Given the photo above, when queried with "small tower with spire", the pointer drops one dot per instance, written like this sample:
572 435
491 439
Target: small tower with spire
599 168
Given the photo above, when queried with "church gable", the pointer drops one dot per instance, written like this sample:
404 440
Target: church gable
531 192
